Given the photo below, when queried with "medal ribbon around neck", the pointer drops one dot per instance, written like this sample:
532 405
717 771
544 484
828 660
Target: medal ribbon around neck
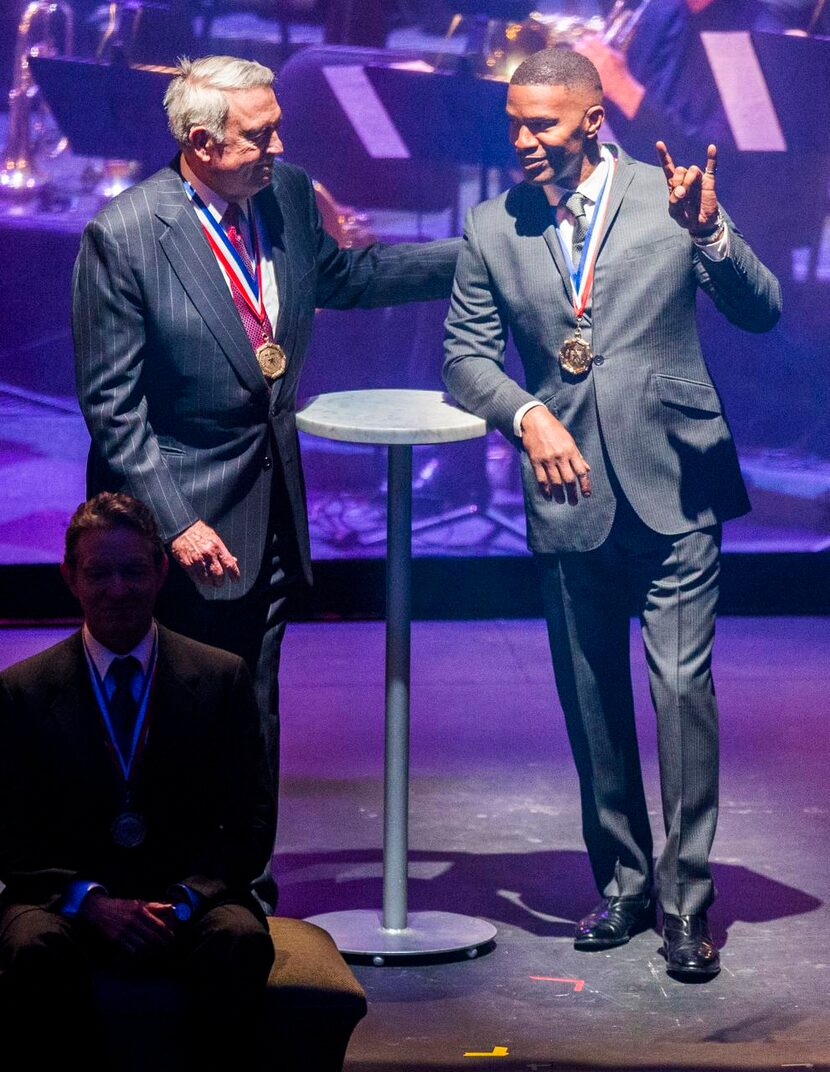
142 723
250 287
582 276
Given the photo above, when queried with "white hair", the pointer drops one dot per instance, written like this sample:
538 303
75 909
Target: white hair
197 97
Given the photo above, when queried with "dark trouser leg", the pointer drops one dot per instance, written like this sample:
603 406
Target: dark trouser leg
227 955
45 1008
676 586
586 605
252 627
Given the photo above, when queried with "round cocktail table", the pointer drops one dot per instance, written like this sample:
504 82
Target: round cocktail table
399 420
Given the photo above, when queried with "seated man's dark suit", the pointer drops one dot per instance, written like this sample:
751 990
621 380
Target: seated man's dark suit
202 789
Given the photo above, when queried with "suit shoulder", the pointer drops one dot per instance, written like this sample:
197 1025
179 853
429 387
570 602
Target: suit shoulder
45 667
136 202
188 654
494 208
290 179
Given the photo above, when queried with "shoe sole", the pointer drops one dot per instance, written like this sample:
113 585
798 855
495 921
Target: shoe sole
587 944
694 973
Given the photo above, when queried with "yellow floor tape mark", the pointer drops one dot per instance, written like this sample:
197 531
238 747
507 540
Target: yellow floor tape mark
497 1051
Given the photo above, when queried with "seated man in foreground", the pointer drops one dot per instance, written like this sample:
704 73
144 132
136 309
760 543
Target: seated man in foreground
134 808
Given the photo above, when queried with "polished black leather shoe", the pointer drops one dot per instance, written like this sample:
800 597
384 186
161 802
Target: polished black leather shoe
688 946
614 921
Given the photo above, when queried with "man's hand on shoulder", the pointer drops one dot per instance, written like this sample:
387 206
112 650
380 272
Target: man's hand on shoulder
138 928
199 550
557 461
693 199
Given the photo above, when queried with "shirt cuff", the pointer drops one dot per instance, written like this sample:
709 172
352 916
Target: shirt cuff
715 249
186 899
75 896
520 412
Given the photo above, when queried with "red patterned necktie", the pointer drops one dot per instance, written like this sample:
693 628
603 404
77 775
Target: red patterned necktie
257 332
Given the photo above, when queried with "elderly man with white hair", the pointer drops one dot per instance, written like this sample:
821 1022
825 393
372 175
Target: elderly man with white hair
194 298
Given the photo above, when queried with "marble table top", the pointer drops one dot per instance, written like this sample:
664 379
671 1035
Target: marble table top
390 416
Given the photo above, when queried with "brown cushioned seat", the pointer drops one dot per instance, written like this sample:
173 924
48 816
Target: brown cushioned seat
312 1004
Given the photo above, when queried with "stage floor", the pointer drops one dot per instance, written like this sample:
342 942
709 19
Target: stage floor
495 833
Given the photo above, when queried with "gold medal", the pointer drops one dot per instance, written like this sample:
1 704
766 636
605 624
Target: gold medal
272 360
576 356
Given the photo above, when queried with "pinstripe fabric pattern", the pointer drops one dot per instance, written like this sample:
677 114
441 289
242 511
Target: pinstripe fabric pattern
178 411
664 474
671 582
661 419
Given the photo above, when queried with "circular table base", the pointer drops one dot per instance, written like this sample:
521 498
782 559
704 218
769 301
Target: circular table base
360 932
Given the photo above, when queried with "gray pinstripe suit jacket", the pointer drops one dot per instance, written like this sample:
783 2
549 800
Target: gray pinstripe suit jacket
177 408
648 406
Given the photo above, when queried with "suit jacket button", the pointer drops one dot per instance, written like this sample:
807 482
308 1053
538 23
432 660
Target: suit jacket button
266 465
599 359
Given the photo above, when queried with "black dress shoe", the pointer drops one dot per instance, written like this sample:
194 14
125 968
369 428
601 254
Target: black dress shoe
688 946
614 921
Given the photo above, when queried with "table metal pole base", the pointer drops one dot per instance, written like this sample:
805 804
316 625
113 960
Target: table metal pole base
360 932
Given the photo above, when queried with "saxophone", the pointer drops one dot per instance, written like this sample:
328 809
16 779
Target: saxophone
46 28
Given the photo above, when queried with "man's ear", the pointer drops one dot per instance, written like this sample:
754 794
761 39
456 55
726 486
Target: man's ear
68 574
594 118
202 143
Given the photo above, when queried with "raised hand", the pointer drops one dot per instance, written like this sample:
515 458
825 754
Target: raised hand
693 201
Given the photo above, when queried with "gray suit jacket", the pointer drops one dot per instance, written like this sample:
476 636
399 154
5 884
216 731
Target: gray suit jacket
179 413
648 407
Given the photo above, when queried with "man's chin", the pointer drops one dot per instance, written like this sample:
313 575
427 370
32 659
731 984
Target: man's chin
541 177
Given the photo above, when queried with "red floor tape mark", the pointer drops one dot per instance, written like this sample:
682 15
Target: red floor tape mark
578 983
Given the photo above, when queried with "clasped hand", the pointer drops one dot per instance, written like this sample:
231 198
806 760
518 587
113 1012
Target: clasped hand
693 201
138 928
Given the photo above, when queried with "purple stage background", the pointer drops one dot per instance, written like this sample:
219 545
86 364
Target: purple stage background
467 496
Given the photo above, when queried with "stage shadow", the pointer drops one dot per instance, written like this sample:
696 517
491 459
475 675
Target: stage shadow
540 893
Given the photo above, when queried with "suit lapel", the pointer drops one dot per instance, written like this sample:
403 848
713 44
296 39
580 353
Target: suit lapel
272 218
270 207
191 258
74 709
622 180
173 717
539 221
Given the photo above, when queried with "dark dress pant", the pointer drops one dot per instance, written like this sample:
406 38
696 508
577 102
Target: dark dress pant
671 584
46 994
251 626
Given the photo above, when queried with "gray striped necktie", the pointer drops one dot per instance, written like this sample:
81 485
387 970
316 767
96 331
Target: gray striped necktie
575 203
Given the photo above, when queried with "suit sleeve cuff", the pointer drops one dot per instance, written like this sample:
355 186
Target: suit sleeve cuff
717 249
76 893
520 412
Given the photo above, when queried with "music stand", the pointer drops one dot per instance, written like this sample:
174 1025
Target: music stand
466 114
108 110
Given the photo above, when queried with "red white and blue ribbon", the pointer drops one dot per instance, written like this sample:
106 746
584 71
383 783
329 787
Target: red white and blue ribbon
582 275
248 285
